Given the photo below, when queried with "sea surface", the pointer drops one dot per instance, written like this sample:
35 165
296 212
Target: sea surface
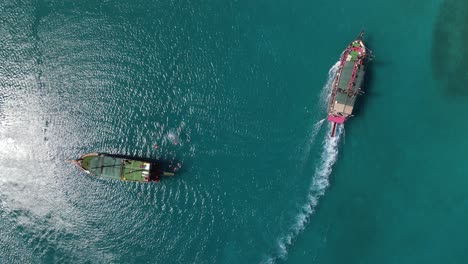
235 92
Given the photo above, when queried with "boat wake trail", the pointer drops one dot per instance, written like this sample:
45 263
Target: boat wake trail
320 178
315 130
310 140
326 91
317 188
324 97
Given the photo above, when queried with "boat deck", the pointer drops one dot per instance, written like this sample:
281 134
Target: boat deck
117 168
348 82
135 170
103 166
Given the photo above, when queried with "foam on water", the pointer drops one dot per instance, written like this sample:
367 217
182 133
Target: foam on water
320 178
316 129
317 189
324 97
326 91
310 141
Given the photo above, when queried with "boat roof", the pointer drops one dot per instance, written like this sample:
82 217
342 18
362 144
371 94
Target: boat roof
116 168
104 166
348 81
351 71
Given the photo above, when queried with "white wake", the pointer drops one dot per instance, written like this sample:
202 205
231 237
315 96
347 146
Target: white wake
322 106
317 189
310 141
326 91
320 178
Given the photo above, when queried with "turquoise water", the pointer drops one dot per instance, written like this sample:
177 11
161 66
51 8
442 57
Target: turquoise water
235 92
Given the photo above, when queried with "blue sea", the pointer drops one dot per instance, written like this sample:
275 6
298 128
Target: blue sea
235 92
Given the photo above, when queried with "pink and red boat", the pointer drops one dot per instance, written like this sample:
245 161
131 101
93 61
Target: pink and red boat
348 82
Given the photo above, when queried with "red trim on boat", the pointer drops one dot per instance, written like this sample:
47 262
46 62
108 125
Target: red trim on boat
336 119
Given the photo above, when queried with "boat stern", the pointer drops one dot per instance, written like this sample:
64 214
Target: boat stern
336 119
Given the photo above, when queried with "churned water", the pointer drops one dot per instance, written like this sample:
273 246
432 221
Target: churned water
235 92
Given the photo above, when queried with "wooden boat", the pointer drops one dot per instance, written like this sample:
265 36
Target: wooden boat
347 84
121 167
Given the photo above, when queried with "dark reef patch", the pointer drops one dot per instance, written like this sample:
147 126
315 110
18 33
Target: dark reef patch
450 49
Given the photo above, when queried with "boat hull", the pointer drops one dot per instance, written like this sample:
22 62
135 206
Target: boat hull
121 167
347 84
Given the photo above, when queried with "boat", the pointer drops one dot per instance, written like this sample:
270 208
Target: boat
122 167
347 83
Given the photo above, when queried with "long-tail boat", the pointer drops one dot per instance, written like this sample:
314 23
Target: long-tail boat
121 167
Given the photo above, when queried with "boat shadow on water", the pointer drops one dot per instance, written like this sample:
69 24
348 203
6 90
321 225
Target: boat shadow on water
367 83
449 49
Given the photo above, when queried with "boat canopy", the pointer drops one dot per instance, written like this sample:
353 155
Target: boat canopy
105 166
